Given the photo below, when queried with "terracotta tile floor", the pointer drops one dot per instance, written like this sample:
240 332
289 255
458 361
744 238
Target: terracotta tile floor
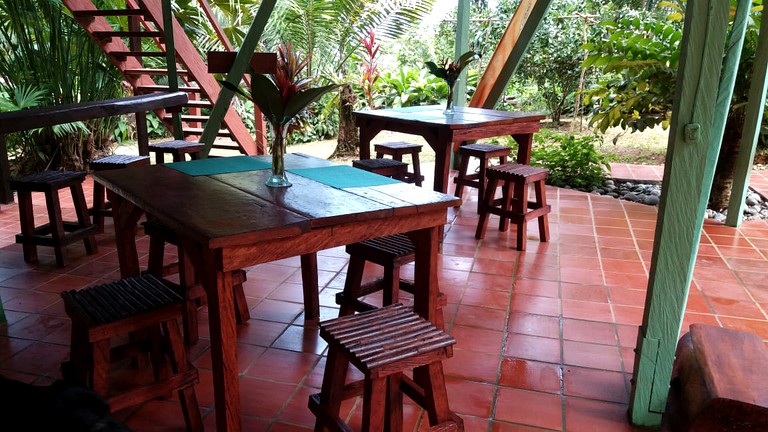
545 337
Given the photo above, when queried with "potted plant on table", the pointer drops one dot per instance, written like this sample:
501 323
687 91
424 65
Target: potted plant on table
281 97
450 71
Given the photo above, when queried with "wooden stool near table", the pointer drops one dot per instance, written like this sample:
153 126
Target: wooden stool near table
514 205
386 167
397 150
178 149
57 233
140 306
102 207
390 252
383 344
188 286
485 153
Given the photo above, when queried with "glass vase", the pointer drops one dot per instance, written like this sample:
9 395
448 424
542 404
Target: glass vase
278 177
449 104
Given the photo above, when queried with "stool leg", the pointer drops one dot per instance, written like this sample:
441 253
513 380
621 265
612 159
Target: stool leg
27 222
56 224
482 223
179 364
506 203
178 156
462 173
99 367
394 417
332 391
242 314
520 207
99 204
159 157
391 285
430 377
374 404
541 201
481 181
416 168
187 282
79 357
352 284
83 220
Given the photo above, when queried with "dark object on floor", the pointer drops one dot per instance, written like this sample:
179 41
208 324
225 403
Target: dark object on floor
719 381
58 407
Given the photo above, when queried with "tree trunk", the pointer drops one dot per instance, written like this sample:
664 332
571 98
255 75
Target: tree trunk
349 140
726 162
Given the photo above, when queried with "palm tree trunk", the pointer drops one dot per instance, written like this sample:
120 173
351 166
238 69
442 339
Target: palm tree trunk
726 162
349 140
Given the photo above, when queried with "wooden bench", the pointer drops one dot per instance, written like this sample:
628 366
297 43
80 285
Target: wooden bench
383 344
719 382
178 149
101 206
134 306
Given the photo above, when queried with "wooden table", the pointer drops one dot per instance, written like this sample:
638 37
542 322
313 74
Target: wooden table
445 134
231 221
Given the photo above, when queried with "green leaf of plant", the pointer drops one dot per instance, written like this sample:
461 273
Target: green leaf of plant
303 98
267 97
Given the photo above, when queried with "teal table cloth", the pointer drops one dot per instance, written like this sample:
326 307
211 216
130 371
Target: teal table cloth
343 176
222 165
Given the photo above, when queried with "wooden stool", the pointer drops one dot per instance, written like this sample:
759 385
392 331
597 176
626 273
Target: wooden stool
140 305
390 252
383 344
399 148
57 233
514 204
719 381
484 152
386 167
188 287
102 207
177 149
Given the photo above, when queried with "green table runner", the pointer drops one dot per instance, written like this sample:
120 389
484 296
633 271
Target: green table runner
221 165
343 176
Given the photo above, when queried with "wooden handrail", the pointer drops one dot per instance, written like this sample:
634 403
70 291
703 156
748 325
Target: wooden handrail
16 121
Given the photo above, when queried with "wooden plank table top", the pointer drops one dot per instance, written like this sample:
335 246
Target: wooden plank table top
445 133
230 221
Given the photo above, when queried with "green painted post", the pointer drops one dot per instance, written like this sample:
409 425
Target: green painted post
521 46
235 74
462 46
689 169
170 58
754 114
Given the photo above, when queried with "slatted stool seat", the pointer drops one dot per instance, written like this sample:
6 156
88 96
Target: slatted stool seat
57 233
135 306
188 286
177 149
102 207
391 252
514 205
397 150
485 153
386 167
383 344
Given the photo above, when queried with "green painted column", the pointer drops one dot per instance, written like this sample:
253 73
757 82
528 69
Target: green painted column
462 46
752 120
235 74
690 164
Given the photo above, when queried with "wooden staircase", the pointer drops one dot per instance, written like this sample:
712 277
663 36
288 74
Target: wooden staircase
124 49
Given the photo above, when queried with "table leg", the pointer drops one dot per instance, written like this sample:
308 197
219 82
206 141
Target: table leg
443 147
367 133
310 286
524 145
126 216
425 301
221 316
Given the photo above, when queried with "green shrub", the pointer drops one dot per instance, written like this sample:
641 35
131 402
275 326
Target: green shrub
573 161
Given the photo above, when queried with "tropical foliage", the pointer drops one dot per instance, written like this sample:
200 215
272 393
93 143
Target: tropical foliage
46 51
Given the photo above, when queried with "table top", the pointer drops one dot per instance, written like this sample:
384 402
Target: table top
462 118
236 208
